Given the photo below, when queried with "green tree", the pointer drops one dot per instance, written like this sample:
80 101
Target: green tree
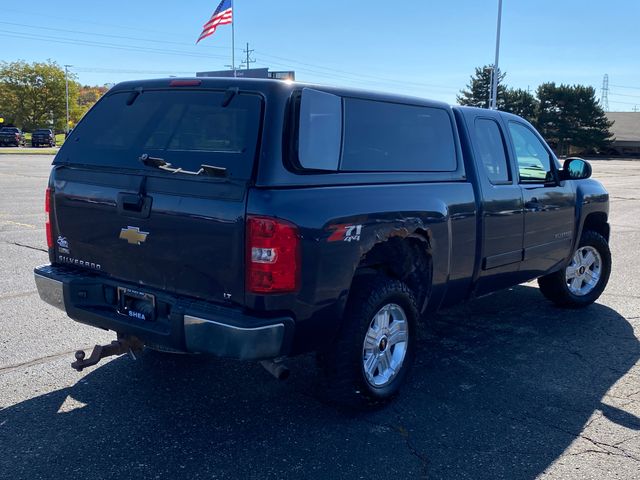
570 116
32 95
520 102
87 97
478 91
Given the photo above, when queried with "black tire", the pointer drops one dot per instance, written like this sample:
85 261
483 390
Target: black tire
555 286
344 381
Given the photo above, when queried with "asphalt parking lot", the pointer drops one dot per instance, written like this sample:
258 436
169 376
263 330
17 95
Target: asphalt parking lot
505 387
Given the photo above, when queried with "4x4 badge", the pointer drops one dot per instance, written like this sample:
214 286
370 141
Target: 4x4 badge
133 235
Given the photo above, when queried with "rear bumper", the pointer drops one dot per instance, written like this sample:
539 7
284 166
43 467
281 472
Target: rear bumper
182 323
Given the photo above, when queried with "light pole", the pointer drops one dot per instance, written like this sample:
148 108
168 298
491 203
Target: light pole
66 88
496 73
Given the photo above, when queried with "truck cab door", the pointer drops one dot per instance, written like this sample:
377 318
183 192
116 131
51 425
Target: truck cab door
501 204
549 205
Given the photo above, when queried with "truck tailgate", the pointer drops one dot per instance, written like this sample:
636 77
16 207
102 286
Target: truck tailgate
186 238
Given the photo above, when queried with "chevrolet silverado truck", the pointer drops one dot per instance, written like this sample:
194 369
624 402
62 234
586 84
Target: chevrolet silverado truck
259 220
43 137
12 136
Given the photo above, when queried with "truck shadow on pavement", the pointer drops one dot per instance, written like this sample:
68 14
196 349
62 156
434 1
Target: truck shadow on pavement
502 386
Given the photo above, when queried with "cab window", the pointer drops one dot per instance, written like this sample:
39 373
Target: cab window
534 160
491 151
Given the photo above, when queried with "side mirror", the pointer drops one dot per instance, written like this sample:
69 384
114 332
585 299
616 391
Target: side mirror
575 169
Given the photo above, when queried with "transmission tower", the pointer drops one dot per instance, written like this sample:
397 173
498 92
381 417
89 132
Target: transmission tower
248 61
604 96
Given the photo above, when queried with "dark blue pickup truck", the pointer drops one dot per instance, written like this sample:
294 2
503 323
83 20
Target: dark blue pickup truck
43 136
259 219
12 136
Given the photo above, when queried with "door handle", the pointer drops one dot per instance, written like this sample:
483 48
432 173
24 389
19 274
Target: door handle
533 205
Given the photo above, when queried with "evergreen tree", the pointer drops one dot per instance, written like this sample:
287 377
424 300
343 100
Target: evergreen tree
478 91
520 102
570 116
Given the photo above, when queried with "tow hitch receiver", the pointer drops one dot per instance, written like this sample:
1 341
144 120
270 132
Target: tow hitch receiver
124 344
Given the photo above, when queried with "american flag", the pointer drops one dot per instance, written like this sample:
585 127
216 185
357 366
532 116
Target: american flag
222 16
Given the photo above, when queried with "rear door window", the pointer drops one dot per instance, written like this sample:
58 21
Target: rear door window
383 136
491 150
187 128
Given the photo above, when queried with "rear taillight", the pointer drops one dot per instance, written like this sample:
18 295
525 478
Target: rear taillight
273 256
47 211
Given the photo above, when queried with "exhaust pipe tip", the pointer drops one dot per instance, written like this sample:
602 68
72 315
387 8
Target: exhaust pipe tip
279 370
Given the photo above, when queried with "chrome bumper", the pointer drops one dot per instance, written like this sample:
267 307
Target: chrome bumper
202 335
51 291
217 331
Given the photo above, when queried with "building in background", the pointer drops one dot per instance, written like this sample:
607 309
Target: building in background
251 73
626 131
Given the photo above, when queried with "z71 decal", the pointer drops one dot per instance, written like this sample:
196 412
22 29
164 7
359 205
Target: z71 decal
345 233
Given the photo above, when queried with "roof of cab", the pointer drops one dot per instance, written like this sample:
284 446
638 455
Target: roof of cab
273 85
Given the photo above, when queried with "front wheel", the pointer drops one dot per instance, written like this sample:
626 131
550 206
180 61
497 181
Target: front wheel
584 279
374 351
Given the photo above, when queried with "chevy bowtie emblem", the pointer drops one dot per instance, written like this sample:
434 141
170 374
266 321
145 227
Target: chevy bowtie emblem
133 235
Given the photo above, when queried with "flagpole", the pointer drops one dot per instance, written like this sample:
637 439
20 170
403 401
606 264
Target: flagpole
233 38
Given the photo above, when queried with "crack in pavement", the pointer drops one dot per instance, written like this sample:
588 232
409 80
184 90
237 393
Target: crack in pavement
39 361
601 445
28 246
623 295
625 198
413 450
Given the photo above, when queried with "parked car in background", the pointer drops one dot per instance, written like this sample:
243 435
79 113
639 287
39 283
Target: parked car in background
43 137
12 137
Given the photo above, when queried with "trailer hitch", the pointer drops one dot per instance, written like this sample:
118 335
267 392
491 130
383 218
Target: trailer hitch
124 344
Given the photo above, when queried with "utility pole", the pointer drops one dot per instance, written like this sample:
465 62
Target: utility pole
66 88
248 60
495 78
604 96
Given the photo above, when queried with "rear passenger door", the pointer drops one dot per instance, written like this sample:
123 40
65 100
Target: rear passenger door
501 204
549 205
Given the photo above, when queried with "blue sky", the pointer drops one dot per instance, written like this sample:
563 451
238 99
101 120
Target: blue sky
422 48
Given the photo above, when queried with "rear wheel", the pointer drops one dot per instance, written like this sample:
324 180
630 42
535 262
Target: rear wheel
374 351
584 279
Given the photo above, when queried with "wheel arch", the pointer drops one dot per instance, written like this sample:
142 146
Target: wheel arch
406 258
597 222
